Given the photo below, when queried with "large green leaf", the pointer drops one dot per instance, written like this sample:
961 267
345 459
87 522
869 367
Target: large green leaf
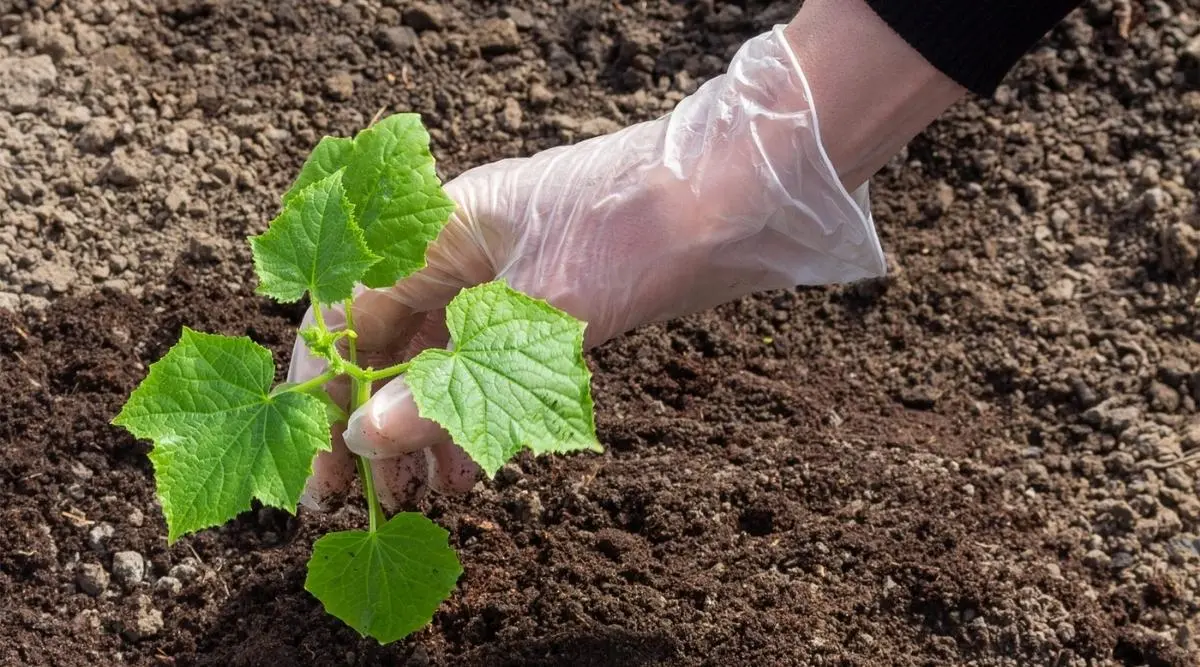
314 245
516 378
386 584
220 438
393 186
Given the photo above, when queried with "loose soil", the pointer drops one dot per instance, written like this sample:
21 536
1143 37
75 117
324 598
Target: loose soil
989 457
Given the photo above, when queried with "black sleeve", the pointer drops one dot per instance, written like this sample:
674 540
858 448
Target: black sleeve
974 42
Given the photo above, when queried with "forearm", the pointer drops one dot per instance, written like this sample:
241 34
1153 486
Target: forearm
882 70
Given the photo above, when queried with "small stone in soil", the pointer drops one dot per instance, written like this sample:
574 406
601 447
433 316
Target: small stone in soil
128 568
396 39
99 535
498 36
125 171
1122 560
98 135
424 17
92 579
183 572
339 86
169 585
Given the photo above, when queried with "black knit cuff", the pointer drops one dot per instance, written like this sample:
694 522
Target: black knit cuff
974 42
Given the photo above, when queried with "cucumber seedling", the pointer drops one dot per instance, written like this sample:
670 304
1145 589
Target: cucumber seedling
362 211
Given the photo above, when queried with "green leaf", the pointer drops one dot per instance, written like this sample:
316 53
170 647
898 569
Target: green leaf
395 191
385 584
220 439
333 411
515 378
330 155
314 245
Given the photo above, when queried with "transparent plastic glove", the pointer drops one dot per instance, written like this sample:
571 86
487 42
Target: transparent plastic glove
729 194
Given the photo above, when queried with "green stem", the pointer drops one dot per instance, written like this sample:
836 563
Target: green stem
316 309
361 394
306 386
385 373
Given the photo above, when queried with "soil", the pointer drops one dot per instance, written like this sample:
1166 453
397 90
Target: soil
989 457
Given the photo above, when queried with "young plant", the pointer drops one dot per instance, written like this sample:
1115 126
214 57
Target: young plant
362 211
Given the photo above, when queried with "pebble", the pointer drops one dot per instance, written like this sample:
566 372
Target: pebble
1156 199
177 200
169 585
1163 398
1097 559
126 171
128 569
92 579
1122 560
497 36
396 39
1121 515
99 535
176 141
98 135
421 16
339 86
511 116
183 572
135 518
1111 419
540 95
81 471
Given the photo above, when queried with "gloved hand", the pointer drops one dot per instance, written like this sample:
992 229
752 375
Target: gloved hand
729 194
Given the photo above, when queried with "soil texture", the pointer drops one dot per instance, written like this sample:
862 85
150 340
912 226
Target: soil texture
989 457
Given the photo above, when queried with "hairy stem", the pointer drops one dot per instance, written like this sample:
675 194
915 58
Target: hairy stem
361 394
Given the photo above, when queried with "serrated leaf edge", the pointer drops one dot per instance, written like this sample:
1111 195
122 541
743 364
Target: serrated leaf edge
173 532
577 352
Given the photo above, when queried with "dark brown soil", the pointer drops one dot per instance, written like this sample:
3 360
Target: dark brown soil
987 458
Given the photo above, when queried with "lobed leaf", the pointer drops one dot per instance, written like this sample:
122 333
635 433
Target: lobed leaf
220 438
516 378
391 182
314 245
386 584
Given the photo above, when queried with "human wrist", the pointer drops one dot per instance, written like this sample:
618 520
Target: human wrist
871 91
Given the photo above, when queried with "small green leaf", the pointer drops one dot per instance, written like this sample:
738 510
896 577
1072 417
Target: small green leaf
395 191
515 378
220 438
314 245
387 584
330 155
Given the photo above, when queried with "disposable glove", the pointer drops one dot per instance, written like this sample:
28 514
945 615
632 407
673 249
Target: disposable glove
729 194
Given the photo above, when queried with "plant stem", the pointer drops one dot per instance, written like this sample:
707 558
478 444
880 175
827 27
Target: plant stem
361 394
307 385
385 373
316 309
